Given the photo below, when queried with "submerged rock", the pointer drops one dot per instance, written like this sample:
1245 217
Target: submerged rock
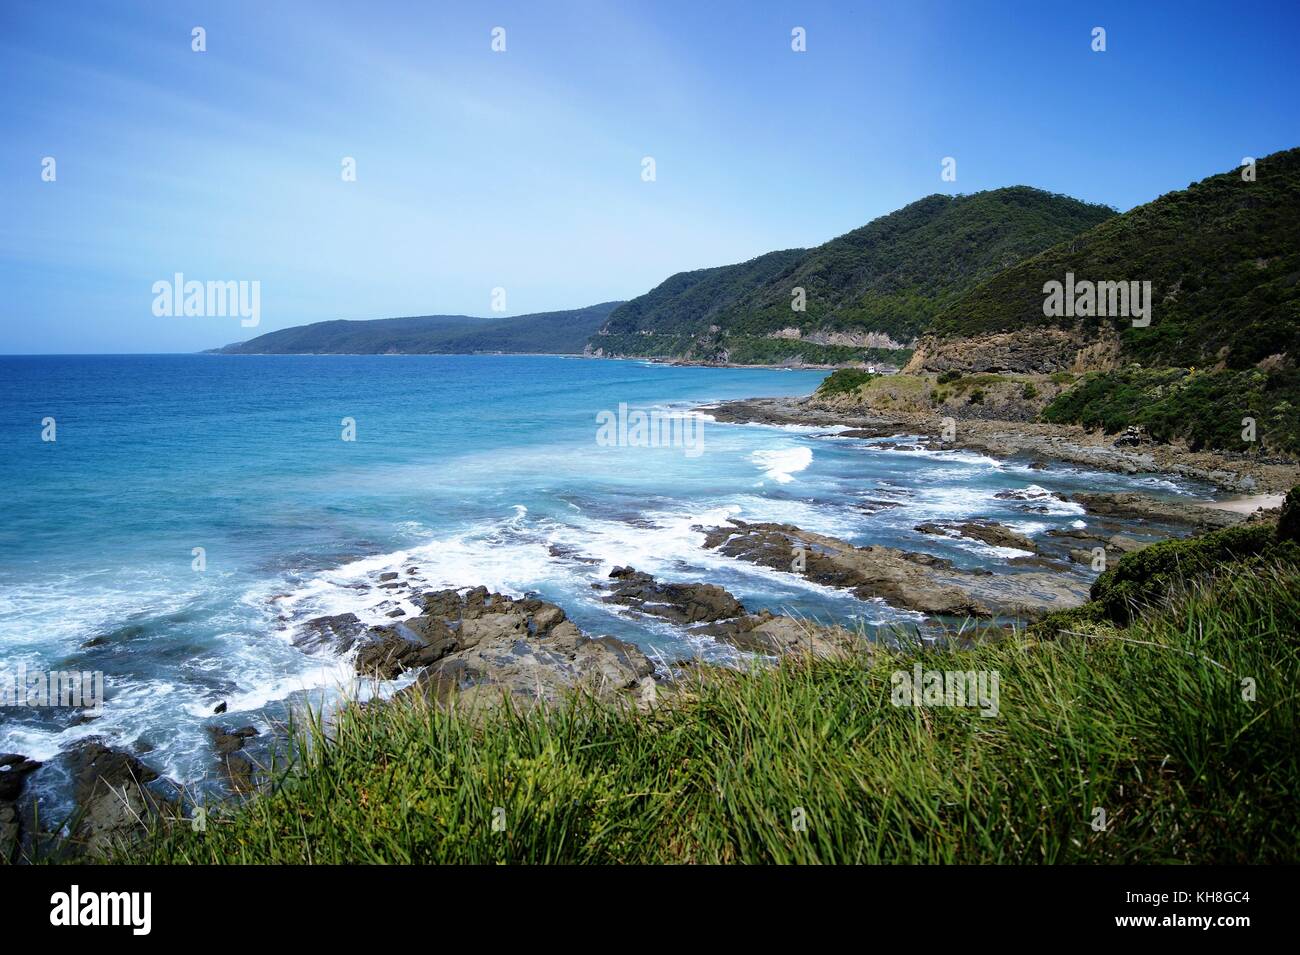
236 768
226 741
14 770
873 506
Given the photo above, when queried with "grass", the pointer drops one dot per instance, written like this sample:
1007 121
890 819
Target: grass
1147 723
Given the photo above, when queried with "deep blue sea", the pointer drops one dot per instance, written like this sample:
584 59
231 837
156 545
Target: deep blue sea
476 469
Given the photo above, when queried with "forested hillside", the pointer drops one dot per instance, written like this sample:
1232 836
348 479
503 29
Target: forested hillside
1223 257
1223 260
867 292
561 333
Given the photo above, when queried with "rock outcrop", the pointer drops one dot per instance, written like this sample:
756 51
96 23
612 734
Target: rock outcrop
903 579
987 532
773 635
712 611
109 788
1288 520
680 603
1037 350
1130 506
14 770
525 650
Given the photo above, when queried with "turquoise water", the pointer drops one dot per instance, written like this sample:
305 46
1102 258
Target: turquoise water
476 469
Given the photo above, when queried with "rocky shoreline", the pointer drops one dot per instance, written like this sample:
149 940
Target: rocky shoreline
471 650
1126 453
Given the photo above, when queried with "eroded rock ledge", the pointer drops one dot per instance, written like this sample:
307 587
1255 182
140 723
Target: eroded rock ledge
999 438
1131 505
986 532
903 579
718 614
527 650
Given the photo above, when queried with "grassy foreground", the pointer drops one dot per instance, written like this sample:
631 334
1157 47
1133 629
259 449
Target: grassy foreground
1147 723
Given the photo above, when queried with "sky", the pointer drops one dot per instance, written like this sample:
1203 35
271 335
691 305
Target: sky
523 169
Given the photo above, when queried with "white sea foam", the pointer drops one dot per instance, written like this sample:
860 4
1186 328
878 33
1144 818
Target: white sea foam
813 430
816 430
1027 528
1041 497
511 553
1163 484
781 464
811 515
921 451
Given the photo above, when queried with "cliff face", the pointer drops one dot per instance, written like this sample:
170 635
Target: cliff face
846 339
1027 351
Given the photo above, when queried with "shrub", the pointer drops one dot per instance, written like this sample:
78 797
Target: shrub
1288 525
1149 576
1204 408
844 380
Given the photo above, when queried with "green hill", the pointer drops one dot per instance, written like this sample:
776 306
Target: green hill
1223 260
559 333
1223 257
868 292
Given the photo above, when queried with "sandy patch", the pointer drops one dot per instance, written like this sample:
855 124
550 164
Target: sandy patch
1248 504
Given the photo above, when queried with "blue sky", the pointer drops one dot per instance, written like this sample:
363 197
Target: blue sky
522 169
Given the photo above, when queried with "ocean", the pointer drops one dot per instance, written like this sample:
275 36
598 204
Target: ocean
193 510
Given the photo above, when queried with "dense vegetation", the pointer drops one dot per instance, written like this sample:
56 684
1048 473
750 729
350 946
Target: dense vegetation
749 350
562 333
1154 576
843 380
1223 257
1149 722
890 276
1223 260
1205 408
688 302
